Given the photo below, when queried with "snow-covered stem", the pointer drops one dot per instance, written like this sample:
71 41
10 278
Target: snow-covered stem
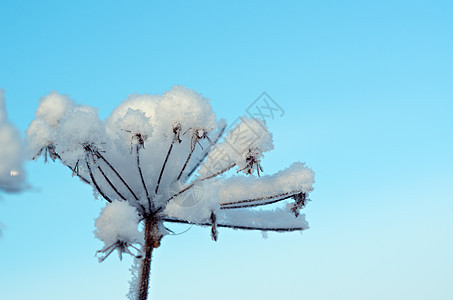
150 207
219 173
248 205
98 154
75 171
185 164
164 164
249 202
145 267
200 180
93 180
276 229
50 150
111 184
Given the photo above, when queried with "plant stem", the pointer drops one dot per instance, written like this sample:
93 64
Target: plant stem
150 208
163 166
145 267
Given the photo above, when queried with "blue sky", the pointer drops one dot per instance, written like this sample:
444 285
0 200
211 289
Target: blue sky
368 99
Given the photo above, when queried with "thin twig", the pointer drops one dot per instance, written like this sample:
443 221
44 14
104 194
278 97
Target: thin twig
164 164
95 183
277 229
117 174
214 232
142 179
201 180
57 156
299 203
78 175
111 184
207 151
287 195
219 173
107 252
255 204
185 164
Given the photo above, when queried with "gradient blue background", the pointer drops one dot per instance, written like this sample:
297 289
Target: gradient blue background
368 94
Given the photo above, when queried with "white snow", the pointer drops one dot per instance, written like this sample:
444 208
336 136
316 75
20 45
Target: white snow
118 221
80 127
161 158
266 219
39 135
248 139
141 157
295 179
12 154
53 107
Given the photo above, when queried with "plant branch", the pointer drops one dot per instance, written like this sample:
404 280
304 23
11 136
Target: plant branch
207 151
95 183
111 184
142 179
145 267
77 174
280 197
185 164
116 172
277 229
254 204
200 180
219 172
164 164
54 155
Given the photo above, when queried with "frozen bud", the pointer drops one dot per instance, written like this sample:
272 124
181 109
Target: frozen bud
243 146
299 203
39 136
252 162
117 227
135 122
186 107
177 131
118 221
80 127
200 133
134 127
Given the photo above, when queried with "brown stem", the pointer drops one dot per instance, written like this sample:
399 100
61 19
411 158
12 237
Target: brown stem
116 172
111 184
78 175
95 183
185 164
281 196
163 166
142 179
277 229
145 267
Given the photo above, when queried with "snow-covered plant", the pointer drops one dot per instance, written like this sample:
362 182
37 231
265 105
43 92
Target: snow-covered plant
161 159
12 174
